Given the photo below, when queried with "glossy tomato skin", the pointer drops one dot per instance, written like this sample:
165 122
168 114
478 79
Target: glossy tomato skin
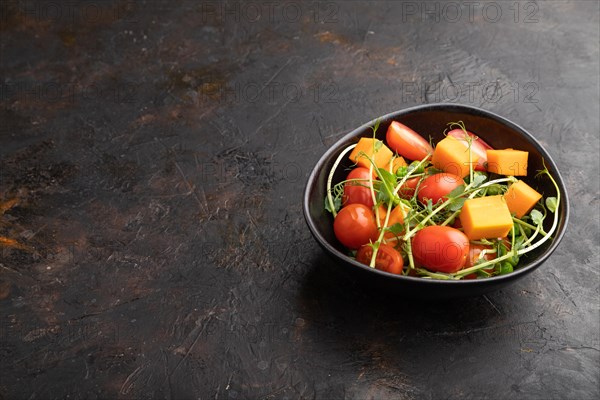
388 259
355 225
358 192
460 134
478 146
440 248
407 190
406 142
437 186
474 252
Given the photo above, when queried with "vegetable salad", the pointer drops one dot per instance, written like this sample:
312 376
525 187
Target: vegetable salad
459 210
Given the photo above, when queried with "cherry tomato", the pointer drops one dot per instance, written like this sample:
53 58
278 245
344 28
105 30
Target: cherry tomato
474 252
406 142
407 190
358 192
387 259
437 186
473 257
355 225
478 146
440 248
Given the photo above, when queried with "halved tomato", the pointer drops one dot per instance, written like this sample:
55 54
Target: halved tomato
406 142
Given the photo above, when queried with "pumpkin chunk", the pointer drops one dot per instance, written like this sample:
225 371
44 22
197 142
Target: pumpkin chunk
373 149
486 217
451 155
507 162
520 198
396 163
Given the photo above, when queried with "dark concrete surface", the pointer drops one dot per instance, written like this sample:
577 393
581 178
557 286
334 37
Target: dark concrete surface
153 158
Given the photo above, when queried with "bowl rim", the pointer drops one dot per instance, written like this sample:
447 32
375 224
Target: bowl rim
335 147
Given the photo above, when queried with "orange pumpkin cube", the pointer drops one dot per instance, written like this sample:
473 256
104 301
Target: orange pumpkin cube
486 217
451 155
521 198
374 149
396 163
507 162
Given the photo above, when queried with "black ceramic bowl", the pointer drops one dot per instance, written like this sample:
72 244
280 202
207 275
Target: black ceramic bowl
431 120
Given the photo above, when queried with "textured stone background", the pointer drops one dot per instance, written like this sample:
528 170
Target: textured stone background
153 158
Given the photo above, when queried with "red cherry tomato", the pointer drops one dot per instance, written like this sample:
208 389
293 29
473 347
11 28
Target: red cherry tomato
474 252
437 186
358 192
406 142
387 259
355 225
407 190
479 146
440 248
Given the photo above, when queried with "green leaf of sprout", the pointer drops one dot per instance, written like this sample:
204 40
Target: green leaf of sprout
377 145
478 179
494 189
415 168
456 204
382 197
387 177
537 217
397 228
433 171
551 204
429 206
514 260
375 127
456 192
337 204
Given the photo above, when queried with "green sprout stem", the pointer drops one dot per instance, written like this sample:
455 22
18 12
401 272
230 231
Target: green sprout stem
475 192
554 222
381 234
434 275
408 176
523 223
530 239
411 260
467 271
330 177
373 197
